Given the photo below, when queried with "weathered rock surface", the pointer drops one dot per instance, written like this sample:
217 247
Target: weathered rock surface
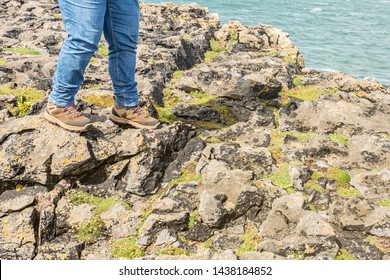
258 157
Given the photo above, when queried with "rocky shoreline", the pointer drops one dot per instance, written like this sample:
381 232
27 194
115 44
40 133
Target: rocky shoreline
259 157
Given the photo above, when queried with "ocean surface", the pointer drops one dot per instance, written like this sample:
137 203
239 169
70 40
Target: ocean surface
350 36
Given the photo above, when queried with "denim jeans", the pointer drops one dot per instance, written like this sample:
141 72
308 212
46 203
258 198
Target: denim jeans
85 21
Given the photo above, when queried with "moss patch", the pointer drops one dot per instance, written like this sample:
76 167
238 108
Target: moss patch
297 81
20 51
100 100
187 175
217 47
202 98
164 114
206 124
126 248
281 178
277 140
193 217
384 203
338 138
250 240
174 252
103 51
3 61
102 204
209 56
177 75
88 231
305 93
187 37
26 97
344 255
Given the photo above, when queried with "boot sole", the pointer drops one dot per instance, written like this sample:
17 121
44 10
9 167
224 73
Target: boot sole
118 120
53 120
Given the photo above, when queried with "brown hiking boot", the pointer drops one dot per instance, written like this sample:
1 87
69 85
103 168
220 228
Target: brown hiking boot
67 117
134 116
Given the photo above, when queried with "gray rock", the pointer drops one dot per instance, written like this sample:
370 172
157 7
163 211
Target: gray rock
17 237
373 185
312 224
298 175
13 200
61 248
377 222
275 226
224 256
260 256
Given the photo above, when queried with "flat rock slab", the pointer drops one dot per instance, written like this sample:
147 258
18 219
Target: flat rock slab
13 200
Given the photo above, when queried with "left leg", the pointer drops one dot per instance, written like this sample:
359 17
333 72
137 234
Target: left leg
121 28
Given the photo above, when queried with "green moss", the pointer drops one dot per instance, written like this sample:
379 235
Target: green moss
313 184
344 255
101 204
296 255
193 217
3 61
209 56
208 243
250 240
187 176
88 231
312 207
384 203
202 98
341 177
177 75
26 97
233 37
342 180
57 16
93 60
20 51
174 252
100 100
206 124
126 248
93 86
338 138
289 59
306 93
170 99
277 137
276 117
103 51
281 178
164 114
269 53
217 47
297 81
187 37
213 140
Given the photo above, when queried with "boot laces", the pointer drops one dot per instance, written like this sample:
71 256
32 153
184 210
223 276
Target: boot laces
140 112
72 111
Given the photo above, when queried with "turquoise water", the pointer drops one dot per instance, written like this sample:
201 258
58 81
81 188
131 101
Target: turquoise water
351 36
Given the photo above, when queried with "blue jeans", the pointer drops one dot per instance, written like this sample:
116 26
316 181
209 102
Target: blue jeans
85 21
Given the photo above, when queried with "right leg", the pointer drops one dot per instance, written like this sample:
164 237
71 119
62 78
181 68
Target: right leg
83 21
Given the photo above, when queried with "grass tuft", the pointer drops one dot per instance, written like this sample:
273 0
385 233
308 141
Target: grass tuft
21 51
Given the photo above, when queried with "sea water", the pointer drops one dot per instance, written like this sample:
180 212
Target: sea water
350 36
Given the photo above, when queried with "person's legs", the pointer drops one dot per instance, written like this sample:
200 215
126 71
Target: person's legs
121 28
83 21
